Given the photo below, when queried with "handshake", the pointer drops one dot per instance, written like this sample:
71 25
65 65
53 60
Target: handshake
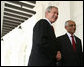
58 56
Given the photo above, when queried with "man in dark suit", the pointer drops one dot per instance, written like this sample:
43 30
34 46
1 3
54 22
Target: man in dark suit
71 48
44 48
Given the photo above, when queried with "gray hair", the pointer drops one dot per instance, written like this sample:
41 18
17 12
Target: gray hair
49 8
66 23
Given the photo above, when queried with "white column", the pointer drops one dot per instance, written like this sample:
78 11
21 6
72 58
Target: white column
38 9
77 16
2 12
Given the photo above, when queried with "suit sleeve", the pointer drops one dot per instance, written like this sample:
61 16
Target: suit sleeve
81 53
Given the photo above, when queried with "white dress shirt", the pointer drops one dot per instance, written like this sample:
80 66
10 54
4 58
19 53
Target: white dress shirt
69 35
48 21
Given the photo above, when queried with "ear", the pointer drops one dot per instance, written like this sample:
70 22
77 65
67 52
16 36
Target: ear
46 12
65 27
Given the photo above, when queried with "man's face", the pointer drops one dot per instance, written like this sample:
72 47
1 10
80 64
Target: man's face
71 27
53 15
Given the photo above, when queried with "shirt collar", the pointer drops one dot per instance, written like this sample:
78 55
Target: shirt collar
69 34
48 21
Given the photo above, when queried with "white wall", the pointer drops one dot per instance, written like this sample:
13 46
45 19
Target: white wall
64 14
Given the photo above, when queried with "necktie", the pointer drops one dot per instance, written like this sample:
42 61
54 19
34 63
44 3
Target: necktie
73 43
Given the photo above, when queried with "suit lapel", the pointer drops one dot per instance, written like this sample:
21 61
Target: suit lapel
76 40
51 30
68 42
77 43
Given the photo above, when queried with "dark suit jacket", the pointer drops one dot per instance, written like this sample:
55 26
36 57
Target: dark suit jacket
44 46
69 57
